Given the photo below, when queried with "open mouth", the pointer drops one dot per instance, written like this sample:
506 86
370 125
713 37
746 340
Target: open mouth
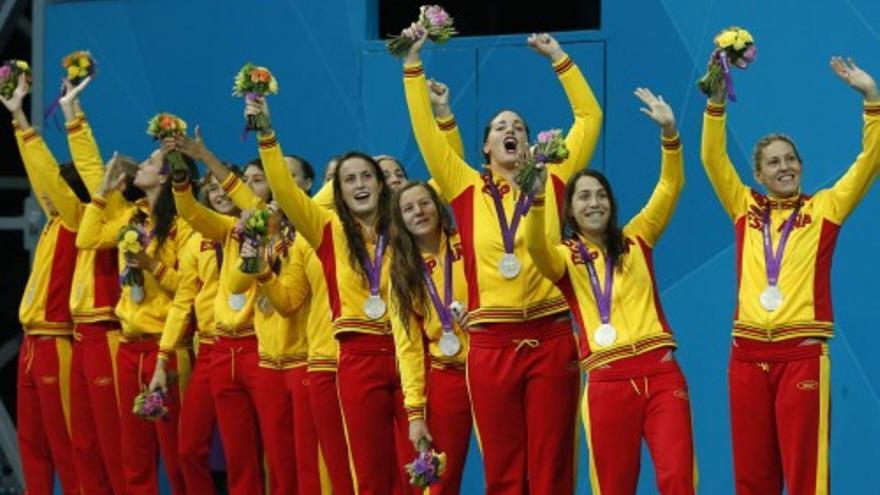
785 178
510 144
361 195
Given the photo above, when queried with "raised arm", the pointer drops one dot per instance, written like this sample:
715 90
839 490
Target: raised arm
444 162
728 186
547 257
584 133
652 220
105 216
849 190
439 95
288 290
309 219
83 148
209 223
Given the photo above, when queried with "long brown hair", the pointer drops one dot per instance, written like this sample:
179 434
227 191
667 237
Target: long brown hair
407 267
357 247
615 244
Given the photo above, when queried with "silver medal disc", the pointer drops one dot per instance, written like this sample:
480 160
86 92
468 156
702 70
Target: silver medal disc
449 344
509 266
605 335
137 294
771 298
374 307
236 301
264 305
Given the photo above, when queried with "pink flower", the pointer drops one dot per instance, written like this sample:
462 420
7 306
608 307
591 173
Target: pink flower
547 136
747 57
437 17
5 71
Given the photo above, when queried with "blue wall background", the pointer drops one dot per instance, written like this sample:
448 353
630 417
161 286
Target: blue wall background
340 90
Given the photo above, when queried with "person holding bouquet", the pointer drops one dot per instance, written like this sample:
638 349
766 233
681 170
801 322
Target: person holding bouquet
143 314
245 381
428 287
522 363
779 367
635 389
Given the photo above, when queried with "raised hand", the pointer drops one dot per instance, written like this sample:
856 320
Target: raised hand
15 102
546 45
114 179
419 35
658 110
258 106
439 95
193 147
857 78
71 96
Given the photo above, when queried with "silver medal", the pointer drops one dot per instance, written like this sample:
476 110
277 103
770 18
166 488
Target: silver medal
509 266
771 298
605 335
264 305
449 344
137 294
236 301
374 307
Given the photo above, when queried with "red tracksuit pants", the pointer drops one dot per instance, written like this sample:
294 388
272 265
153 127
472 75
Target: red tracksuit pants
524 384
94 409
142 439
252 404
644 396
43 407
780 412
198 418
372 408
449 421
311 474
331 431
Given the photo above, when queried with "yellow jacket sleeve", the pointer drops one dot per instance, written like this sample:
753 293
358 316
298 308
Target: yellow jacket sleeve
307 217
449 127
584 133
240 193
324 197
652 220
729 188
101 222
852 187
209 223
547 258
289 289
445 165
410 351
187 288
37 188
85 153
40 162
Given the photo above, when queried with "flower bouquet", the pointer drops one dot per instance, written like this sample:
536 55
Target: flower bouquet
164 125
428 466
253 82
10 71
150 405
550 148
733 46
433 19
79 65
132 241
253 228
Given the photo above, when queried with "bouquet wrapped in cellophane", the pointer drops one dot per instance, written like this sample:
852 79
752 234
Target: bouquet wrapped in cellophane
253 82
733 46
253 228
164 125
432 18
550 148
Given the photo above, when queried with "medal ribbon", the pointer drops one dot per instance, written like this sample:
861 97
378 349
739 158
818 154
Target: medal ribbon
374 267
508 232
603 299
774 260
442 307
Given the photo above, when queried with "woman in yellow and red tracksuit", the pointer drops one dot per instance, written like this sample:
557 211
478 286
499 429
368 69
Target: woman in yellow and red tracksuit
350 243
779 367
522 354
243 390
143 312
283 303
428 286
44 363
95 292
199 281
635 388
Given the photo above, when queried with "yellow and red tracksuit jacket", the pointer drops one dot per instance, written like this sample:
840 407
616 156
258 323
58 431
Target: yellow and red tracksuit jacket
99 229
96 289
44 309
636 311
805 275
199 273
410 344
491 297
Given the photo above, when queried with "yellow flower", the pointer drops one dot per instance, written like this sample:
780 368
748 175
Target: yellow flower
273 86
130 236
21 64
725 39
84 62
745 35
72 72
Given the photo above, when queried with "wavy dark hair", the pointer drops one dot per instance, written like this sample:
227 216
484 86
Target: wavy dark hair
615 245
357 247
407 269
164 211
